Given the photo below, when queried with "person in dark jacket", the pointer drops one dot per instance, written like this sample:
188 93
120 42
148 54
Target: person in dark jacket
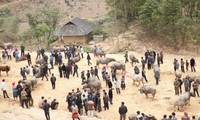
88 74
54 104
23 73
192 64
75 70
22 50
122 111
60 70
42 51
110 94
44 71
88 59
109 84
79 104
136 70
53 81
64 70
144 75
29 59
180 87
96 72
105 101
46 107
195 88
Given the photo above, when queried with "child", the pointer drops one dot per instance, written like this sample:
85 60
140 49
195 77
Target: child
117 86
123 85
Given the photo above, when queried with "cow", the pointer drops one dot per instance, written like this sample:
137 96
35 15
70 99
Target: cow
148 90
100 53
76 59
4 68
178 74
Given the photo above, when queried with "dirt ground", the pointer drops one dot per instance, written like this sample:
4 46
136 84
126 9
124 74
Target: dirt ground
135 101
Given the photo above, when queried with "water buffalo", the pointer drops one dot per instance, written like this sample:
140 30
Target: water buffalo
183 100
104 61
178 74
136 78
38 72
4 68
76 59
92 82
31 82
55 48
40 61
133 59
119 66
100 53
148 90
147 117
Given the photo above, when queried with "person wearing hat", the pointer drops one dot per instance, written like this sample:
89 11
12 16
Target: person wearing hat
14 89
123 84
122 111
126 56
54 104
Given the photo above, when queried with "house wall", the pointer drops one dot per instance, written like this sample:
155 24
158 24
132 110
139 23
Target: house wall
74 39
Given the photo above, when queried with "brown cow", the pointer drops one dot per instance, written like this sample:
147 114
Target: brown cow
4 68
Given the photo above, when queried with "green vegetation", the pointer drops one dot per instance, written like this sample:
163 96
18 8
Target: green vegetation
173 20
43 22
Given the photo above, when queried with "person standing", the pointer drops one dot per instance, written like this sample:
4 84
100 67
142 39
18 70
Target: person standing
105 101
16 54
75 70
90 108
175 64
9 53
110 94
123 84
88 59
22 50
117 86
182 65
187 64
82 51
60 70
144 75
19 89
24 98
44 71
157 76
29 59
195 88
161 57
4 89
4 57
38 53
96 72
126 56
180 85
113 72
143 63
176 86
192 64
185 116
122 111
46 107
174 116
186 84
158 59
53 81
14 89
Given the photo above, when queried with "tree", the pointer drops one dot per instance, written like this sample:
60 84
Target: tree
146 14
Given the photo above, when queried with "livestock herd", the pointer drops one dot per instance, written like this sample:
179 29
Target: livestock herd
93 82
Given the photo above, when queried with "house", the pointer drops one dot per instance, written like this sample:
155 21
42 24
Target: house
76 31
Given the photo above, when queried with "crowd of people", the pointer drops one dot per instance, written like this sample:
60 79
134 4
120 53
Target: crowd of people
88 101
